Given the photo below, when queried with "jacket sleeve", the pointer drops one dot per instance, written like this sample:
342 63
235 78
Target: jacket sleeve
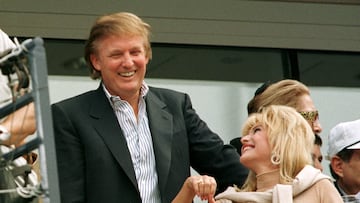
69 156
209 155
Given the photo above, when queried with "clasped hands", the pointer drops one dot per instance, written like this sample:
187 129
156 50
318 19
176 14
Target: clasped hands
203 186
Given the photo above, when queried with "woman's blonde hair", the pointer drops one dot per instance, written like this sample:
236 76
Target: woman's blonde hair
284 92
290 137
117 24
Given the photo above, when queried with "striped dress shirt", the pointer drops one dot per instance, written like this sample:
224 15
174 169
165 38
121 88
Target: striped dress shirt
139 141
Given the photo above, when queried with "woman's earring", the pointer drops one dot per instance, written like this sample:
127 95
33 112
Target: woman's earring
275 159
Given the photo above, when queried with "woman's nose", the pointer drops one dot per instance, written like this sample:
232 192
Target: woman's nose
244 139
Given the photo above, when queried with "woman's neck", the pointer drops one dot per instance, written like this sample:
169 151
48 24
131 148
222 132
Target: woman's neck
267 180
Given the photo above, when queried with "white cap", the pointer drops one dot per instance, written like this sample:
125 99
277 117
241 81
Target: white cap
344 135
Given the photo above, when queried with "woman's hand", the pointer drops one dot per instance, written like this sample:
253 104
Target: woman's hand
202 186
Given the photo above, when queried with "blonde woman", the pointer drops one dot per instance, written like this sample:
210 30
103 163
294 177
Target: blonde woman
276 147
294 94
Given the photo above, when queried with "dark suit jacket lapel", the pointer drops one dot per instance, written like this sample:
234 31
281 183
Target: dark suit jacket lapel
160 122
106 124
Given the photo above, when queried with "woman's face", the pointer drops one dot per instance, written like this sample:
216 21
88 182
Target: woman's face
256 150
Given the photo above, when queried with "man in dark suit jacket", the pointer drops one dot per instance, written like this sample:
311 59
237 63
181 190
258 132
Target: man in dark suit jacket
98 159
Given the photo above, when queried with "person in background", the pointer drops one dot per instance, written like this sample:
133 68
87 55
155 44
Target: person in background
287 92
316 153
294 94
344 155
276 146
127 141
21 123
14 129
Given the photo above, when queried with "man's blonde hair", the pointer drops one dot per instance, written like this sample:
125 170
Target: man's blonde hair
118 24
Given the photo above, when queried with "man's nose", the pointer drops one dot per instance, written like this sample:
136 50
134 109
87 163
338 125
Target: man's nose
317 127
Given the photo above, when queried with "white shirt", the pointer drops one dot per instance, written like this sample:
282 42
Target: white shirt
139 141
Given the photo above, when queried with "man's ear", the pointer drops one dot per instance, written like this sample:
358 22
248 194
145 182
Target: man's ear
95 62
337 165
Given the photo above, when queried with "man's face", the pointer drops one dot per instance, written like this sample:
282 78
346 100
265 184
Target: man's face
350 174
122 62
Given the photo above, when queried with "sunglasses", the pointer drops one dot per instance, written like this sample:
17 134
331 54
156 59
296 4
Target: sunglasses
310 115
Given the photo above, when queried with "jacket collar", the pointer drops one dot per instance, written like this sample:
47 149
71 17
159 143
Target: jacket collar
161 128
